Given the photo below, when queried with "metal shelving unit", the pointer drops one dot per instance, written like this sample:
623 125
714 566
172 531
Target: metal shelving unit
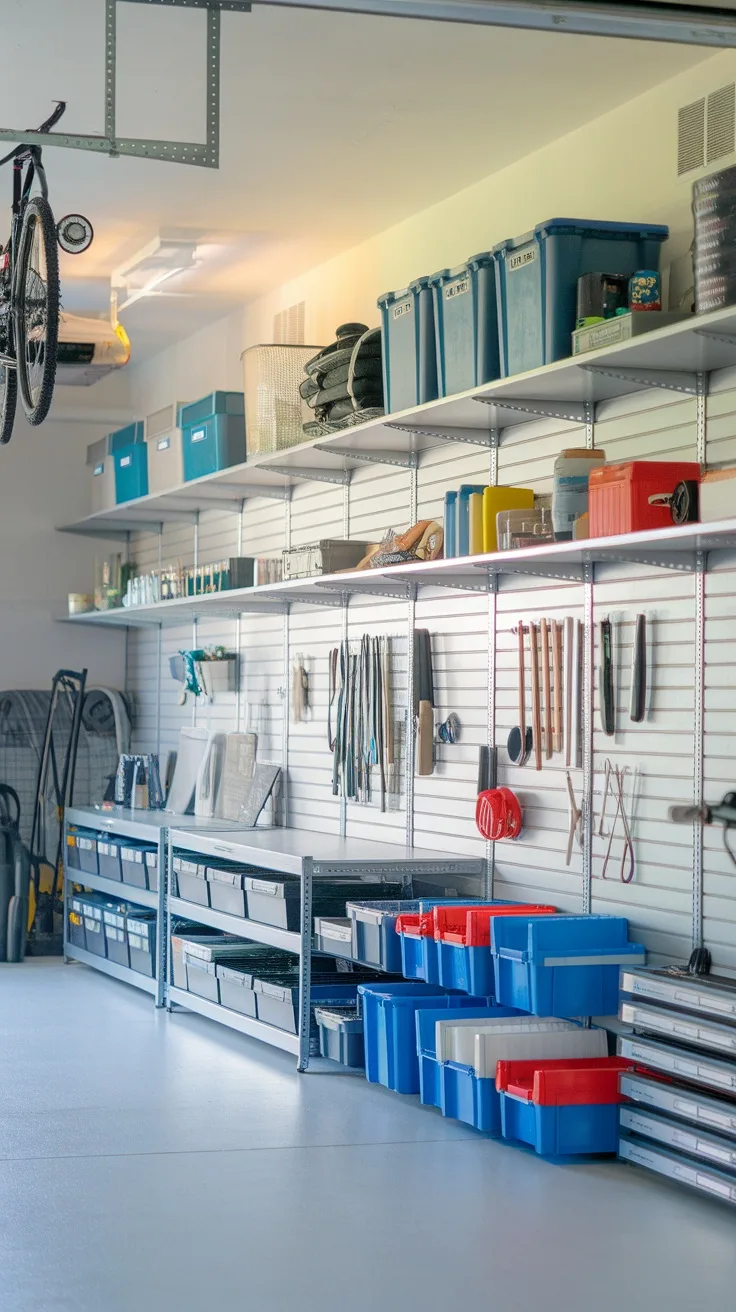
141 826
310 857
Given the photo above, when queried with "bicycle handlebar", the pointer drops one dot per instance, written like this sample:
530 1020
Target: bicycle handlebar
50 122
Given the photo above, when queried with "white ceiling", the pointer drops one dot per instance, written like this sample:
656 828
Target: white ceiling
333 127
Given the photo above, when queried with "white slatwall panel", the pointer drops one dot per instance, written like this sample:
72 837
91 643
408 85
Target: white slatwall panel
649 425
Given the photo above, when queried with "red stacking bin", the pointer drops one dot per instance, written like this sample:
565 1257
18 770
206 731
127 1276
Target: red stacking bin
562 1107
471 926
618 495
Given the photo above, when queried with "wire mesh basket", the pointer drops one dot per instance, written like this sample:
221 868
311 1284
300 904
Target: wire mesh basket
273 406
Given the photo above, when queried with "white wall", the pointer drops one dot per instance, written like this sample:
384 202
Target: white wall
42 485
621 166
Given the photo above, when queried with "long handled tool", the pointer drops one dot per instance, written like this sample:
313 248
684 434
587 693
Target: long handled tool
519 743
547 691
536 710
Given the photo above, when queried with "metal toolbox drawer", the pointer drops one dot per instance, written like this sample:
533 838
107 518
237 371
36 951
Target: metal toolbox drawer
689 1104
675 1166
708 997
698 1067
681 1027
684 1138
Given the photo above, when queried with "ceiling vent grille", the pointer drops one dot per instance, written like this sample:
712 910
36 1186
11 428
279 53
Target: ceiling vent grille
288 326
690 137
721 122
706 130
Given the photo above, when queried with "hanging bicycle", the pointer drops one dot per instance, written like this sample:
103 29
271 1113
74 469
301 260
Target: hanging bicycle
29 286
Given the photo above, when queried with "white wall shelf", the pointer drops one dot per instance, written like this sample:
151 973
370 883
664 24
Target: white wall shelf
668 548
675 358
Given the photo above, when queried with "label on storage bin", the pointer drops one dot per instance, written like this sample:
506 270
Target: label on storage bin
457 288
523 258
125 461
98 469
404 307
133 854
185 867
198 435
261 886
85 844
163 444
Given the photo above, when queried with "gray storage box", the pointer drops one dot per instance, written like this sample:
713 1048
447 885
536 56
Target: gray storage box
116 937
108 858
227 891
133 865
191 878
326 557
273 901
151 859
186 941
101 466
87 849
142 941
334 935
94 930
341 1035
236 990
201 978
163 438
76 933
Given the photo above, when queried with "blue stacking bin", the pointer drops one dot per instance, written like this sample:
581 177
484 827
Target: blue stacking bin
561 965
537 277
430 1069
213 434
408 346
470 1098
420 958
375 941
563 1130
389 1029
466 324
470 970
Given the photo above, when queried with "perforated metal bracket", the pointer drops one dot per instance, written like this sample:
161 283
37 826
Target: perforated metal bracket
247 491
573 411
338 476
681 561
375 589
206 154
572 573
397 458
313 599
468 436
669 380
728 339
474 581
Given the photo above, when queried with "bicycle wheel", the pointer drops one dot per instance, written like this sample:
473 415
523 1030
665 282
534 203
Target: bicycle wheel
8 398
36 309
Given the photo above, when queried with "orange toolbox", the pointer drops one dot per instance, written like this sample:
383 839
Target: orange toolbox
619 496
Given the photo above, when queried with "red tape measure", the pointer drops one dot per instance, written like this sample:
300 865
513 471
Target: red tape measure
498 814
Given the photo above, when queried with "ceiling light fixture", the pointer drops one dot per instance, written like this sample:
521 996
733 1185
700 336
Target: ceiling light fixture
143 273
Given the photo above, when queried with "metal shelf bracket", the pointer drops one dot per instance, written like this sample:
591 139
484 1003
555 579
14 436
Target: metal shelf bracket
573 411
669 380
469 436
339 476
401 593
572 573
681 561
397 458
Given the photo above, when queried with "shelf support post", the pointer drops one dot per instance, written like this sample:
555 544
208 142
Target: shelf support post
305 964
163 932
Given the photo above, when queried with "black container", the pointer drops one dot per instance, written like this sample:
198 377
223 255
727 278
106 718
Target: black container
142 941
108 858
132 861
202 979
151 859
191 880
87 849
116 937
227 890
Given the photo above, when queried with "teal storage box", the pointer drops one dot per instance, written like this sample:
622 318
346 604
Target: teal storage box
408 347
466 325
213 434
537 275
131 472
131 435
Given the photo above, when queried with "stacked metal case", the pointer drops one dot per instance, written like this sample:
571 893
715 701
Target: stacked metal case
681 1118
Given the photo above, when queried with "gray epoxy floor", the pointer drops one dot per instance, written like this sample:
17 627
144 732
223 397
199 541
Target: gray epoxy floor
151 1163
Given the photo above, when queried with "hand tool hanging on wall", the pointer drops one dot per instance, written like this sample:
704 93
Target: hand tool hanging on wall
300 704
519 743
557 672
449 730
498 814
615 781
424 702
536 709
576 820
547 689
569 629
487 768
606 689
639 671
363 737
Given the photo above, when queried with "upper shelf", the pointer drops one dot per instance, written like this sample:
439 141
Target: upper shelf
666 548
669 358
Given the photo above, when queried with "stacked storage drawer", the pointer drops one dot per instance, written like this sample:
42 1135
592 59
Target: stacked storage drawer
685 1029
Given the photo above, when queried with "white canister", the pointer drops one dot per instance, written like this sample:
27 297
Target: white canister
570 488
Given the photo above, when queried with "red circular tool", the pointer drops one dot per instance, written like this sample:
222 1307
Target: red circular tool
498 814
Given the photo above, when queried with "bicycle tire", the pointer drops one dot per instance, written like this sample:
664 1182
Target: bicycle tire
8 402
37 398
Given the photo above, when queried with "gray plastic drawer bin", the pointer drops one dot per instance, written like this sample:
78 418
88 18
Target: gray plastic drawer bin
142 941
132 861
334 935
108 858
227 890
236 990
151 858
201 978
341 1035
116 936
192 881
87 849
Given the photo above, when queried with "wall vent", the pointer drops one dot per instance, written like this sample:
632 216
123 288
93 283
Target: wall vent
706 130
288 326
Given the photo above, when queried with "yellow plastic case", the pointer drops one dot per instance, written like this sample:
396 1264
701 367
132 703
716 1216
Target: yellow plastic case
501 498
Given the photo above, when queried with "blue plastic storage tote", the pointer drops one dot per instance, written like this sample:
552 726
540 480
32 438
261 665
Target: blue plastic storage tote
561 965
213 434
389 1029
563 1130
468 969
537 277
466 324
430 1069
419 958
470 1098
408 346
131 472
